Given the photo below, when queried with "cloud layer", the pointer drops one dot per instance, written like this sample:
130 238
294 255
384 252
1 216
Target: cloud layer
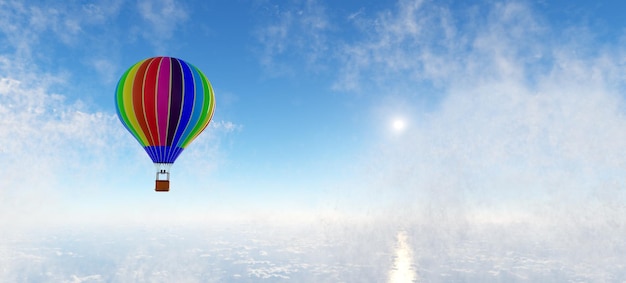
513 170
526 140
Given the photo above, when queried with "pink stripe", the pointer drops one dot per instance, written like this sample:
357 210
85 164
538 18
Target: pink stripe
163 99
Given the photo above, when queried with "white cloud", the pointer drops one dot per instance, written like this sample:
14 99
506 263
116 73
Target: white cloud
420 42
62 157
44 140
65 156
164 18
59 37
527 134
227 126
203 156
517 174
298 30
107 69
509 93
26 25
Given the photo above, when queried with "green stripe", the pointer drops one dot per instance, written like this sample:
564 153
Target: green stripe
207 109
122 107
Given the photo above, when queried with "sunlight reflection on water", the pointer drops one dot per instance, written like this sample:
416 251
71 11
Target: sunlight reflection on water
403 269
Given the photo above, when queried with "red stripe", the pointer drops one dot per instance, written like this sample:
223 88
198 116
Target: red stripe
149 99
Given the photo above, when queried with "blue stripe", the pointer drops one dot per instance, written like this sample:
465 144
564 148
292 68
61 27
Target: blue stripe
168 154
188 98
198 101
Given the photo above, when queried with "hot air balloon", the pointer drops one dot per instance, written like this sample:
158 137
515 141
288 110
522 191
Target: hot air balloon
165 103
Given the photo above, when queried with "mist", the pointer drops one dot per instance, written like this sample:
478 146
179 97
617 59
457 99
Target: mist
509 168
517 173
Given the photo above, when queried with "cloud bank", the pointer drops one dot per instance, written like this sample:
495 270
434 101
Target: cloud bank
523 150
514 171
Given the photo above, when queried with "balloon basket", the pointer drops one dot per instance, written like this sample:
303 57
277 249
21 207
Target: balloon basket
162 186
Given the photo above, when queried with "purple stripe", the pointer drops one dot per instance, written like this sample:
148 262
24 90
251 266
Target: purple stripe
176 99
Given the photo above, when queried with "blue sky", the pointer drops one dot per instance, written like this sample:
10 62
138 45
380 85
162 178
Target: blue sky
508 105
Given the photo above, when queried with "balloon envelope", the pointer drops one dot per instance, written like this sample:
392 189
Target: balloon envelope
165 103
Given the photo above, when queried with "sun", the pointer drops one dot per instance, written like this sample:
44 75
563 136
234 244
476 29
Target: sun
398 125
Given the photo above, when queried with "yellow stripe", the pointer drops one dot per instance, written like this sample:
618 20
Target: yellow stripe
128 104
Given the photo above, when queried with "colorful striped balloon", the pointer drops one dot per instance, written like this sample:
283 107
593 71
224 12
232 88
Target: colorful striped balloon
165 103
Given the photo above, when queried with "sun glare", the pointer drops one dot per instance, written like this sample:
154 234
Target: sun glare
403 269
398 125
